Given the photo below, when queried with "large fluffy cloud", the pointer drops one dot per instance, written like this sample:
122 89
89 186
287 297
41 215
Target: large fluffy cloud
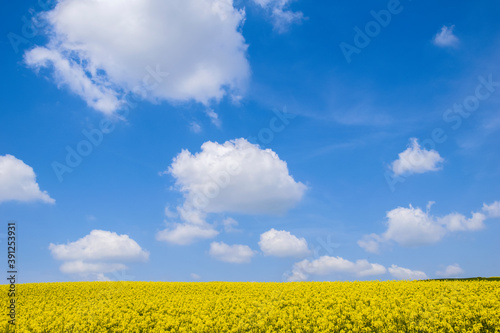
18 182
175 50
281 243
402 273
235 176
416 160
97 253
327 265
413 227
235 254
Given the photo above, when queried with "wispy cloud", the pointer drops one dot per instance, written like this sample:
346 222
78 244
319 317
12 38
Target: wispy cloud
446 38
281 16
451 271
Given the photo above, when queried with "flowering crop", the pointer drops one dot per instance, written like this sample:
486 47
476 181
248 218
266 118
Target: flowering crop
423 306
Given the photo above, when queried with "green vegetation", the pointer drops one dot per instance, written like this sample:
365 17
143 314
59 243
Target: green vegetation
493 278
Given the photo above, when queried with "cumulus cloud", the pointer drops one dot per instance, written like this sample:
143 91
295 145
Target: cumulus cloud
327 265
18 182
416 160
100 245
235 254
281 16
406 273
235 176
97 253
492 210
451 271
413 227
446 38
176 50
283 244
370 243
185 233
458 222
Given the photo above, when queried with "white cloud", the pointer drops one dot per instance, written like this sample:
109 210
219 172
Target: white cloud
283 244
416 160
445 37
169 213
74 77
458 222
176 50
406 273
492 210
192 215
214 117
98 253
18 182
185 234
237 177
327 265
80 267
100 245
195 127
412 227
235 254
195 276
281 16
370 243
229 224
451 271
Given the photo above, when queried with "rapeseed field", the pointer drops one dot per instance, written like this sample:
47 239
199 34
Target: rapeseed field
393 306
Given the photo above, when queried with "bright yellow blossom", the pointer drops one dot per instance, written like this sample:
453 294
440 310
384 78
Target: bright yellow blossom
405 306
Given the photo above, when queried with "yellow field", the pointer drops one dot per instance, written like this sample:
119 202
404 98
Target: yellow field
427 306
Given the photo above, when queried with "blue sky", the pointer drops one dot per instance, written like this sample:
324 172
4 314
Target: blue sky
240 141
